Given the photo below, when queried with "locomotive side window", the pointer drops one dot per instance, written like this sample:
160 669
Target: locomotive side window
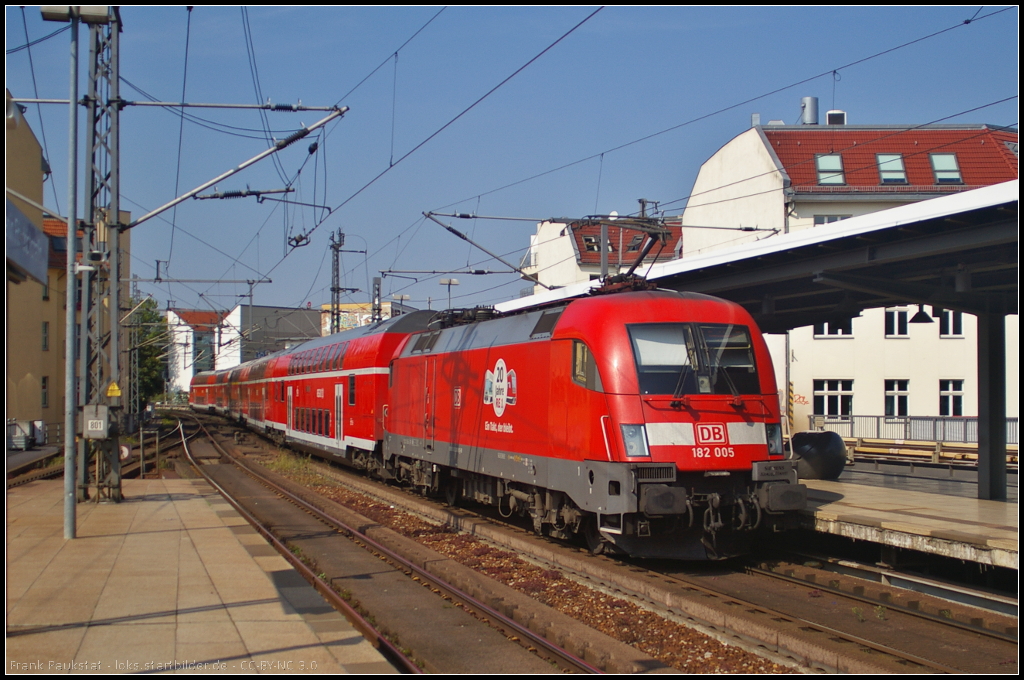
546 323
352 390
584 368
677 359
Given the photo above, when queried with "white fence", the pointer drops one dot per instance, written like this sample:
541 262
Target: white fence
916 428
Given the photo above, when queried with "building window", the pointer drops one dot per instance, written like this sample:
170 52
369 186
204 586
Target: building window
896 393
635 243
828 219
44 390
890 168
830 169
46 288
946 169
46 336
951 324
833 397
834 328
593 244
951 397
896 323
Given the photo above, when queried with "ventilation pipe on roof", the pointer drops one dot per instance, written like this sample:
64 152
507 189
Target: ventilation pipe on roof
809 111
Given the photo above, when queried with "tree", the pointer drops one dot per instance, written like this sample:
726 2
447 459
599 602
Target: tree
152 339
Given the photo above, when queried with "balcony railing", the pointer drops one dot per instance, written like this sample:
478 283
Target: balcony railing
913 428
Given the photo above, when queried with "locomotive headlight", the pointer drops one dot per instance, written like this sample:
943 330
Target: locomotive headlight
774 434
634 437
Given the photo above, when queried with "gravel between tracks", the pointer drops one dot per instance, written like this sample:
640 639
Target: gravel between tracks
674 644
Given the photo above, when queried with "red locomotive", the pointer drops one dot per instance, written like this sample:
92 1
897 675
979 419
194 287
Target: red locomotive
647 422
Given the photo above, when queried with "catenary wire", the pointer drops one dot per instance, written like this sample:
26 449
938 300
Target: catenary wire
181 135
725 109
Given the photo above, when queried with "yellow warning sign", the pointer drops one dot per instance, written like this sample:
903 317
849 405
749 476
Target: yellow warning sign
113 390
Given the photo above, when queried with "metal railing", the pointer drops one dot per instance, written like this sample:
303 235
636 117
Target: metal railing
913 428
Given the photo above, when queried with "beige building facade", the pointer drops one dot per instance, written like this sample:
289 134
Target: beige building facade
787 178
36 302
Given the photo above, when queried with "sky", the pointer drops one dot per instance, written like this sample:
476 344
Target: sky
531 112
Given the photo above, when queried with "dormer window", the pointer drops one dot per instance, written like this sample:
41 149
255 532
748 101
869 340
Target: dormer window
891 169
830 169
592 244
946 169
635 243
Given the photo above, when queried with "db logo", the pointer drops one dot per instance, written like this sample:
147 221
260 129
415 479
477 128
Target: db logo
711 433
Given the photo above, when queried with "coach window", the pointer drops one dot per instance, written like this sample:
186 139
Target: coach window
584 368
352 390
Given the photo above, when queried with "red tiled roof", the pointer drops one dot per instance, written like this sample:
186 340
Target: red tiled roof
201 319
620 240
54 227
981 152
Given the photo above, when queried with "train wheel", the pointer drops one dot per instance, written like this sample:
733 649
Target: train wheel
595 542
452 492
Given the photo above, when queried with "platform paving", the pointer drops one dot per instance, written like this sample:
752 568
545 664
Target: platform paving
172 580
971 529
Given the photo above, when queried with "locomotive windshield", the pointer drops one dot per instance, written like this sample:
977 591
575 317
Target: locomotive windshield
694 358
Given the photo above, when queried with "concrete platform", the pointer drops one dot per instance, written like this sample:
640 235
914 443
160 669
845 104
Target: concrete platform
964 528
170 580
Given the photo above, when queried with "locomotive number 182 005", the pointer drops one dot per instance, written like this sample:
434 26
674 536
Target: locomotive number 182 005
646 422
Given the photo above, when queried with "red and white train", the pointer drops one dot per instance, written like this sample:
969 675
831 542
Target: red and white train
647 422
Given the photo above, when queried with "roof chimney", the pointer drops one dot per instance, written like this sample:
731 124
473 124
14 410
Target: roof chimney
809 111
755 119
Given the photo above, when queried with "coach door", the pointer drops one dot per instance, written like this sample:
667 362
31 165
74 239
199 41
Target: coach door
291 411
429 400
339 412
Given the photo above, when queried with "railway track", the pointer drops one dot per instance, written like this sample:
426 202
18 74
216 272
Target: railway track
436 592
130 467
852 633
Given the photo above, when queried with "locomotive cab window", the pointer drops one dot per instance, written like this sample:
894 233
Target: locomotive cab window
679 358
584 368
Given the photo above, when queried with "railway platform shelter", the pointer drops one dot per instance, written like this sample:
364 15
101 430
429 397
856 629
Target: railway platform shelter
900 256
172 579
903 255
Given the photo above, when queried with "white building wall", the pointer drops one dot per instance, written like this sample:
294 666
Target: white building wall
179 355
553 257
740 186
230 353
869 358
802 214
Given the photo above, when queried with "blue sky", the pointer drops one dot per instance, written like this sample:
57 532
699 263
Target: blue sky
624 74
